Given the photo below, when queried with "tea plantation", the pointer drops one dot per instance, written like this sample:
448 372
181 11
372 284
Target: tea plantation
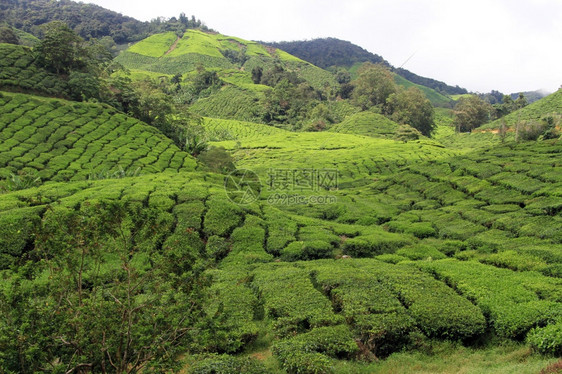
351 244
437 246
62 140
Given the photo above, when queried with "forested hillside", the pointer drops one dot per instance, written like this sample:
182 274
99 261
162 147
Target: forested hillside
88 20
334 52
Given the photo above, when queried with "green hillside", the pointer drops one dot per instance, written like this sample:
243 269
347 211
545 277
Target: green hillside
368 124
440 250
19 72
550 105
167 53
435 97
61 140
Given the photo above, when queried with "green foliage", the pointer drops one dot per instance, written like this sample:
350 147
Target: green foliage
410 107
547 340
470 113
99 249
59 140
374 244
222 217
292 301
21 181
20 71
368 124
7 35
551 104
217 159
306 353
225 364
508 298
373 86
90 21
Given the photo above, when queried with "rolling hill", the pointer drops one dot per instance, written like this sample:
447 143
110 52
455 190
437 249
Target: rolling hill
334 52
61 140
169 54
549 105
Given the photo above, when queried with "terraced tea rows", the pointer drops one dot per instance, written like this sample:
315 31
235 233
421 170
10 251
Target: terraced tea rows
353 305
367 124
18 72
224 129
358 159
60 140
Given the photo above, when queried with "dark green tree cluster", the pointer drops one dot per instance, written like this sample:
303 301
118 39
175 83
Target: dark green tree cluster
70 310
88 20
508 105
470 113
375 89
7 35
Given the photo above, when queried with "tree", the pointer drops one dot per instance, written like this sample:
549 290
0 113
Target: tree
521 101
61 50
7 35
80 312
470 113
257 73
373 86
411 107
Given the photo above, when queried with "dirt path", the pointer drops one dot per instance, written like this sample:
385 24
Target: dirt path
173 46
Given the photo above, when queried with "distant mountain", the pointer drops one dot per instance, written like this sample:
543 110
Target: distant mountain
531 96
335 52
329 52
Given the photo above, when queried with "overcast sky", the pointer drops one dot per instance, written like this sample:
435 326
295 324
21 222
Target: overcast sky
506 45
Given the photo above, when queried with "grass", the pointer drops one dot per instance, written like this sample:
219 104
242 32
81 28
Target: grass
451 358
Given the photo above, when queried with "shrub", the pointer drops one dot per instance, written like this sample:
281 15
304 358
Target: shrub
547 340
377 317
420 252
294 360
374 244
284 288
309 250
225 364
231 307
221 218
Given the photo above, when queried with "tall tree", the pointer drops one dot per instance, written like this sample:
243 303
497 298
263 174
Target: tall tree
470 113
7 35
61 50
411 107
373 86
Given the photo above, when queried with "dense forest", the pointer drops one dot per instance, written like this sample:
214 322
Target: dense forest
334 52
88 20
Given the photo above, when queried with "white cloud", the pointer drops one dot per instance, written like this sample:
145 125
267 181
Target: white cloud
507 45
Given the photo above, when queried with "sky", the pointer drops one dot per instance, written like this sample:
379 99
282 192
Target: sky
481 45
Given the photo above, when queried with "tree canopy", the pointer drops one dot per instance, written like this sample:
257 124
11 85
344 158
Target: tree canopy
470 113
